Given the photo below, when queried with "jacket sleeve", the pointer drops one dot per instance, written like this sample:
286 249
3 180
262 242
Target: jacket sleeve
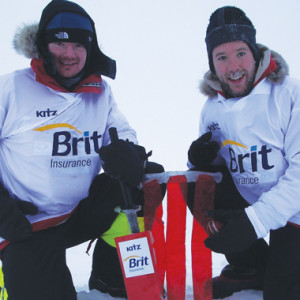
118 120
281 203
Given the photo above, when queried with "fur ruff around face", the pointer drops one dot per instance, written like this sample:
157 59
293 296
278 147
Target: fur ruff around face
24 41
210 83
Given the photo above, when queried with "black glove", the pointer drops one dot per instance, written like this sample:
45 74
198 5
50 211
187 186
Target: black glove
203 151
153 167
124 160
236 235
13 224
27 208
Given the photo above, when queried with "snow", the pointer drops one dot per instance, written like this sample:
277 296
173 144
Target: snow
161 56
80 262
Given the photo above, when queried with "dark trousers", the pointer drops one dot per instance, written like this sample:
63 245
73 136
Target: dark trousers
279 259
36 269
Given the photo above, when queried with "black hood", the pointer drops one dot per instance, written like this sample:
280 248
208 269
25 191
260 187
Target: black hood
98 62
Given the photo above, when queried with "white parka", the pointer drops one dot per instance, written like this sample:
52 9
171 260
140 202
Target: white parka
259 136
49 141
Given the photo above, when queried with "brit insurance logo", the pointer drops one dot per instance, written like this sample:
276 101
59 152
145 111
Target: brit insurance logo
70 142
248 159
65 144
136 257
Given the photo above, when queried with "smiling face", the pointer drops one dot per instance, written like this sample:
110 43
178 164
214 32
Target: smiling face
235 67
69 58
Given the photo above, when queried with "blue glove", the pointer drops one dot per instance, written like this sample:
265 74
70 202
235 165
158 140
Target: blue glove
236 235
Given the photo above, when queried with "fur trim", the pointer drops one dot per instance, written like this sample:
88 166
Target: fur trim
210 82
24 41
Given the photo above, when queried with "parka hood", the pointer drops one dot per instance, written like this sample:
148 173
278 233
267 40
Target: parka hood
28 39
210 85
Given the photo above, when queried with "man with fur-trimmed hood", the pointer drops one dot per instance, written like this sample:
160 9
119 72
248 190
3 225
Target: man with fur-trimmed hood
249 131
55 119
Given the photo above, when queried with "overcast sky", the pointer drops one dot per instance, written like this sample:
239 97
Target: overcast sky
161 57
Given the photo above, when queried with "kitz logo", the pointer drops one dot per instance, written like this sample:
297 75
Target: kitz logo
133 247
213 126
238 161
46 113
64 143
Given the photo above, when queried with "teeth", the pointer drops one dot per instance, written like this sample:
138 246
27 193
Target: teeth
67 64
236 75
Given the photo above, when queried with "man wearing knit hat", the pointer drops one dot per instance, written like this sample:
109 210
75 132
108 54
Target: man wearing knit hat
55 119
249 132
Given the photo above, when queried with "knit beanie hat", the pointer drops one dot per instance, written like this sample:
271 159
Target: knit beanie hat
230 24
63 20
69 27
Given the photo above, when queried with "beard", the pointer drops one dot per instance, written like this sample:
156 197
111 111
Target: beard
229 93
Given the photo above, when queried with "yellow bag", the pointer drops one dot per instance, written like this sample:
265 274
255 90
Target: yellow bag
3 292
120 227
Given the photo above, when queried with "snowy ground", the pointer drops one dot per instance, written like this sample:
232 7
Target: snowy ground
80 265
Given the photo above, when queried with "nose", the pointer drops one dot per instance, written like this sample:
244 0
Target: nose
69 50
233 64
